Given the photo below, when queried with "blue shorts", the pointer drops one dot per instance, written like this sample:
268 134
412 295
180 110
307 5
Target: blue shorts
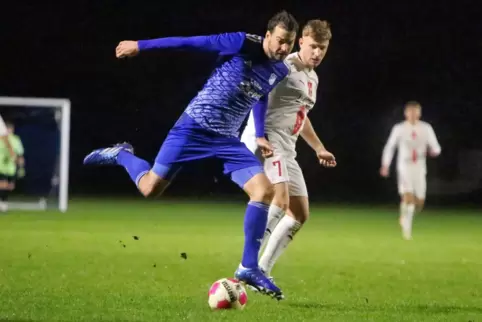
188 141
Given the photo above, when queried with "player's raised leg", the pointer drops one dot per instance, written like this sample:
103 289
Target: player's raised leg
147 181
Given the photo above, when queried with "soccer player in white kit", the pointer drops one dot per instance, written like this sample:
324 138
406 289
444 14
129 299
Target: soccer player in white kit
286 119
414 139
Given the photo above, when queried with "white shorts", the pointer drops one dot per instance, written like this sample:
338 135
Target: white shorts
281 167
412 180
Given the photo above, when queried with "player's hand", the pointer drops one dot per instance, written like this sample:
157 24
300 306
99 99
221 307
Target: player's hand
327 159
265 146
384 172
21 173
127 48
433 154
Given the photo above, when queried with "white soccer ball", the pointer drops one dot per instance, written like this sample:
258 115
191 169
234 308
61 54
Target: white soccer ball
227 293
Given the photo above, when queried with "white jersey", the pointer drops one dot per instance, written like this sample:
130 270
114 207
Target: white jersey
412 141
288 105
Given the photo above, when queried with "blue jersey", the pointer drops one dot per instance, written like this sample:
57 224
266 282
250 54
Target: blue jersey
245 77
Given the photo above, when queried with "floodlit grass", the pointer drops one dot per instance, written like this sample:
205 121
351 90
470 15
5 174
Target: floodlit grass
347 264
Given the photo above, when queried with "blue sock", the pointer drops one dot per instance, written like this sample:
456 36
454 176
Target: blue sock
254 226
135 167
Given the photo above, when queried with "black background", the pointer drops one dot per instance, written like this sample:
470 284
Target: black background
381 55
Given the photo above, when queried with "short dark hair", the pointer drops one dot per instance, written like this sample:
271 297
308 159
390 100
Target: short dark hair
285 20
413 104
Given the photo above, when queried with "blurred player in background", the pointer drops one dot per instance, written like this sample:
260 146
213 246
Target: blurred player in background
412 138
289 104
209 127
11 165
4 137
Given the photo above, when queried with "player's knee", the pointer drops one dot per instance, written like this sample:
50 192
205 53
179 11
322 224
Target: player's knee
299 214
280 204
148 191
264 193
299 208
260 189
281 196
267 193
419 205
281 201
150 185
302 218
408 198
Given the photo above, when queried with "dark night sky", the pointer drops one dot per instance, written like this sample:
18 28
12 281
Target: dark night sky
381 55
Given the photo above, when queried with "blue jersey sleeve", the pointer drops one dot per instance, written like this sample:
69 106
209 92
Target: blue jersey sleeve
223 44
259 116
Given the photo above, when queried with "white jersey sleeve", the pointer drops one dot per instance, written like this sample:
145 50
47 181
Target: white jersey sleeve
391 145
432 140
3 127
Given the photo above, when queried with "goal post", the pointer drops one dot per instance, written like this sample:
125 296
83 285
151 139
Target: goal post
61 108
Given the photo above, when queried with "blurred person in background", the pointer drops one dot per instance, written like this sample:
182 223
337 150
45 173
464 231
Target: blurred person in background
11 162
414 139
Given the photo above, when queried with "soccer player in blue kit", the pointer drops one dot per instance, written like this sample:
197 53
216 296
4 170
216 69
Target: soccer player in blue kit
209 126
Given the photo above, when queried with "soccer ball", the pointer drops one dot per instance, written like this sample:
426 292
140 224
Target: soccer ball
227 293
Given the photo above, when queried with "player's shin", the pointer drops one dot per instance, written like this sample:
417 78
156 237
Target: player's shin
135 167
254 228
407 231
403 213
282 235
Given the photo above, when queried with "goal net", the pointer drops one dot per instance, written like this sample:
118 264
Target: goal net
40 180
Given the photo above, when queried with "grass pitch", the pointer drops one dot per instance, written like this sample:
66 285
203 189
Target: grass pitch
121 261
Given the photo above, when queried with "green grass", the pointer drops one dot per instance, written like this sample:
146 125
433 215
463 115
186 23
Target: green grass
347 264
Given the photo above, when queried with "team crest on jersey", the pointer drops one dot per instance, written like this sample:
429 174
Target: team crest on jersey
272 79
254 38
310 89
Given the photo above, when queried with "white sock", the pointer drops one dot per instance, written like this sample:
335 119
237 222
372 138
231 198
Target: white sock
275 214
408 220
403 211
403 214
280 238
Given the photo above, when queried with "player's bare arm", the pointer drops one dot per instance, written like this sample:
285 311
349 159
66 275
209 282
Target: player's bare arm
326 158
388 152
434 148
